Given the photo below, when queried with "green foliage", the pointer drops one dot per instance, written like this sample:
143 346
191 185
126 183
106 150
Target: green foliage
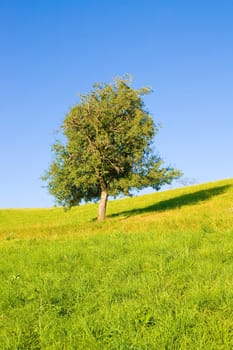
157 274
109 138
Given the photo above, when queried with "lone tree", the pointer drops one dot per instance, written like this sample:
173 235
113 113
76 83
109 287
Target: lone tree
108 150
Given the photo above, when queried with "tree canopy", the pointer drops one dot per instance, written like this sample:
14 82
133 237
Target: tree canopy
108 148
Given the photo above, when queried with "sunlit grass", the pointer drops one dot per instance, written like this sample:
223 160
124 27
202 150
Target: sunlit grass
157 274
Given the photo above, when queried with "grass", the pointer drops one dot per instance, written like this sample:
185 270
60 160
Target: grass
157 274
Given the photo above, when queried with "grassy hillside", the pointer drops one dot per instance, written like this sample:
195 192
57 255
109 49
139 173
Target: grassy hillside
157 274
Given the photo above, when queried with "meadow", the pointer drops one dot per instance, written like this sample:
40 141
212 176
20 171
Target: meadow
156 274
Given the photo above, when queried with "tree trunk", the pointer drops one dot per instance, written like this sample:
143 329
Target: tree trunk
102 204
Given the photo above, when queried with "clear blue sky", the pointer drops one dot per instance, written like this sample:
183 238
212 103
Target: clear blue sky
53 50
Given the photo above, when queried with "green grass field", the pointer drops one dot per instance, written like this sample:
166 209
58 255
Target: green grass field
157 274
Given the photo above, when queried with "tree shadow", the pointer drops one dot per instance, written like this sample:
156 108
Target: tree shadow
176 202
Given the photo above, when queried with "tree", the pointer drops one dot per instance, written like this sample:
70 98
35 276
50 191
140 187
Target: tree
108 149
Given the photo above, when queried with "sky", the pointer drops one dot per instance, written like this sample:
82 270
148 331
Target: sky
50 51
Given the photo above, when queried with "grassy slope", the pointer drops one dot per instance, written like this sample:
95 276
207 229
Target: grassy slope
157 274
